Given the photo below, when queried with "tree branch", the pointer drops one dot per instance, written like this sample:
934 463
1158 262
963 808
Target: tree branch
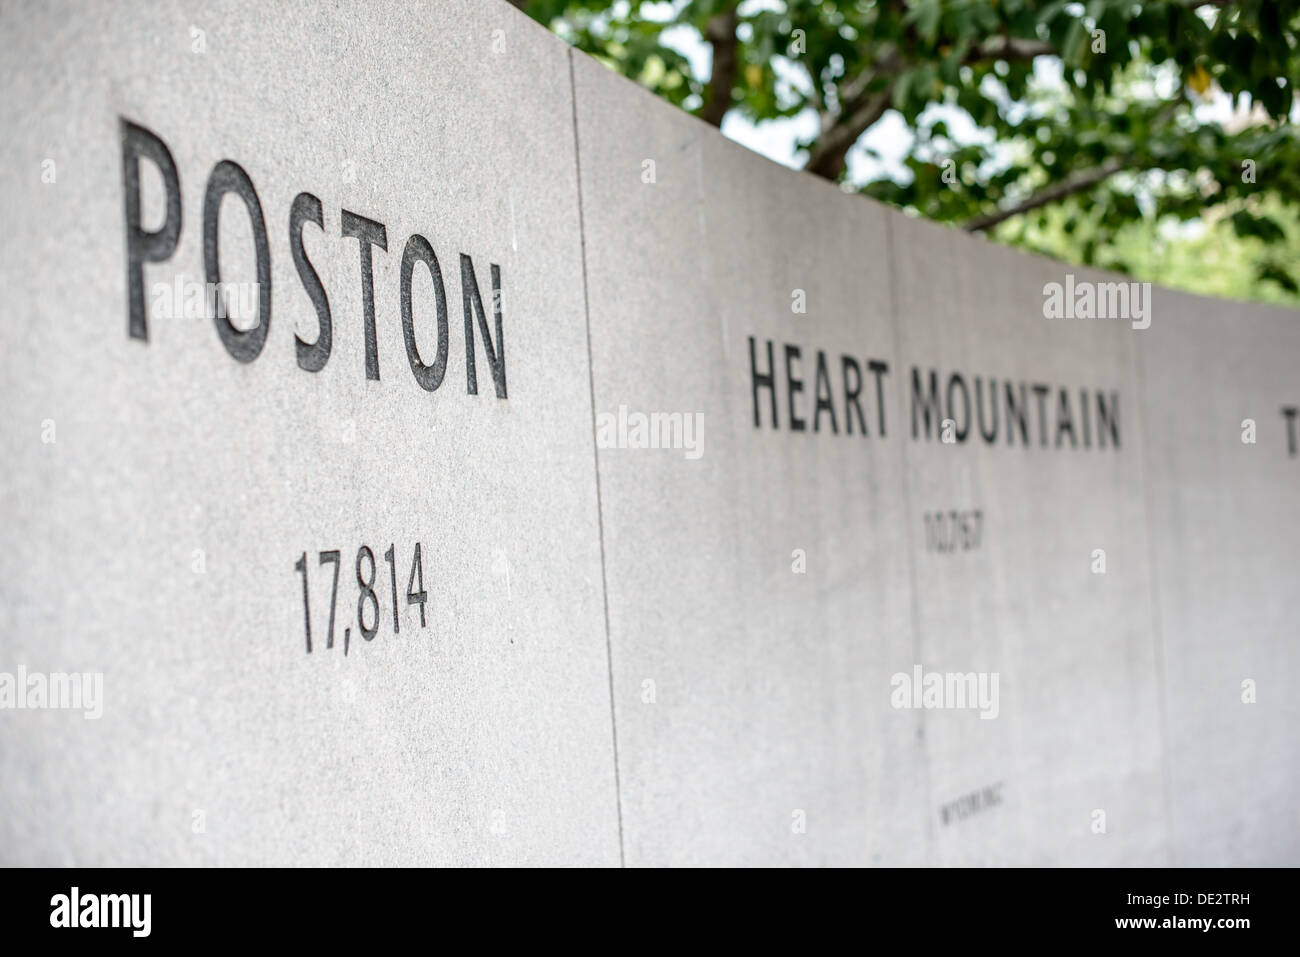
1067 187
1010 48
1071 184
721 34
851 93
827 156
858 112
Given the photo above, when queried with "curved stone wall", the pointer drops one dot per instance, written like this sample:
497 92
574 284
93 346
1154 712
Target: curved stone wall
570 485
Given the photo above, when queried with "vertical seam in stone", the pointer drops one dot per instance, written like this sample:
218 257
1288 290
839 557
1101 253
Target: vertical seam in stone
895 328
600 508
1153 592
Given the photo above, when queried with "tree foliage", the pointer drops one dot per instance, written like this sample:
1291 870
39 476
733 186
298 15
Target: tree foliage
1101 107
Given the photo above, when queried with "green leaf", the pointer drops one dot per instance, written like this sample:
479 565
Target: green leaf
926 14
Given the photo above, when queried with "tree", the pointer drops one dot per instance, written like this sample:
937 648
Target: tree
1097 107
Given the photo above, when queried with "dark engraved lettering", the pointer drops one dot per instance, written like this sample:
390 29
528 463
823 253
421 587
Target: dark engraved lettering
419 250
849 364
143 246
988 435
822 393
368 233
878 369
1065 420
793 386
1289 413
1107 418
312 356
1040 393
956 380
925 403
470 296
229 177
1017 408
763 381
